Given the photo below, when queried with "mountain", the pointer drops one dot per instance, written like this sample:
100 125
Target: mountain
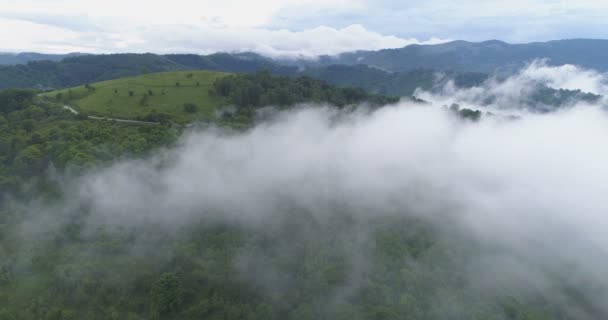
75 71
486 57
389 72
390 83
191 96
7 58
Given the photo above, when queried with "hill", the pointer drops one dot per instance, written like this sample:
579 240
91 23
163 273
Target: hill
487 56
139 97
25 57
75 71
187 96
93 258
390 72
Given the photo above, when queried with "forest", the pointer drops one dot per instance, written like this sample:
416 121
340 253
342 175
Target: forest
58 260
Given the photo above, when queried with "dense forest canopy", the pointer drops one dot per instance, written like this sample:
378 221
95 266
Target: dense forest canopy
302 190
62 256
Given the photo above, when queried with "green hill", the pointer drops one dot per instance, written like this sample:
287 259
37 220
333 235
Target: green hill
139 97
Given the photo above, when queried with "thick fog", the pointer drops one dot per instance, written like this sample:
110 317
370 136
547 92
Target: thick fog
530 192
514 93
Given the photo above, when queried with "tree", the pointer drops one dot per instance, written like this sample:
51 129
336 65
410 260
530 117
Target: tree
5 315
166 294
131 93
190 107
15 99
144 100
28 125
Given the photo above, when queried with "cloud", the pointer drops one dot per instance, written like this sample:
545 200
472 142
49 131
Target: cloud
44 35
517 91
566 76
530 192
525 198
137 26
51 34
516 21
275 43
279 27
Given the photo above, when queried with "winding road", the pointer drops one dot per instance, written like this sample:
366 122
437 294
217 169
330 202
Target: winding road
74 111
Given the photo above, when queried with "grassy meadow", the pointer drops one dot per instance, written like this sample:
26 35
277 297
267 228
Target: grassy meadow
134 97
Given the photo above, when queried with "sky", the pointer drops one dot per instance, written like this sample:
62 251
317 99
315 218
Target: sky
288 28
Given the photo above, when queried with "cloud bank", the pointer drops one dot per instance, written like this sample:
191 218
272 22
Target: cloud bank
281 43
516 92
529 192
517 205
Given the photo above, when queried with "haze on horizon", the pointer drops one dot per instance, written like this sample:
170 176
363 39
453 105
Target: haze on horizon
305 28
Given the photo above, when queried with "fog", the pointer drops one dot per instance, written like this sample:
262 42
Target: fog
514 93
529 193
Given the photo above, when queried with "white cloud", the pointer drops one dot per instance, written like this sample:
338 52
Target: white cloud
102 23
530 193
285 43
179 38
516 91
183 26
566 76
513 21
531 190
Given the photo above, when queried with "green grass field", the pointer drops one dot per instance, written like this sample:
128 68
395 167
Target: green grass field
134 97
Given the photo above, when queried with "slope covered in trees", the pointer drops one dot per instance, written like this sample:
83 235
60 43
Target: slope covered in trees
36 131
61 259
76 71
485 57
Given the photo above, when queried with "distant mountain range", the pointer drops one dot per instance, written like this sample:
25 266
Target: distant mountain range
463 56
395 72
486 57
25 57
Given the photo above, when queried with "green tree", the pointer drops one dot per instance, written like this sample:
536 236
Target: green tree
190 107
166 294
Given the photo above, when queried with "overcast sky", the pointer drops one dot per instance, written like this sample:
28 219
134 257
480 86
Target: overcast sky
288 27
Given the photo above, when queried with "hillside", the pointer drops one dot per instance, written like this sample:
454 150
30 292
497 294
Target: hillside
122 240
189 96
75 71
392 71
25 57
138 97
487 56
78 71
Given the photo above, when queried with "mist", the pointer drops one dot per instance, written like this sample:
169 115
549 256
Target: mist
517 206
529 192
515 93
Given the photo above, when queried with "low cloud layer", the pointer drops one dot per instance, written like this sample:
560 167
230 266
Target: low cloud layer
530 191
517 91
527 195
